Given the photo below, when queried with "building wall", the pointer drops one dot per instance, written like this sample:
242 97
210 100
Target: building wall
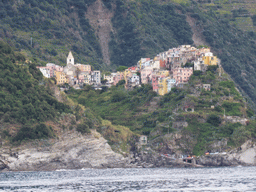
210 60
170 84
156 64
118 77
60 77
96 77
146 74
109 78
84 77
162 86
155 82
181 75
163 73
84 68
45 71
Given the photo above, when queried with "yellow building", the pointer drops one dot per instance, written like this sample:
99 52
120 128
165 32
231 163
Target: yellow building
162 86
60 77
139 64
127 73
209 59
165 73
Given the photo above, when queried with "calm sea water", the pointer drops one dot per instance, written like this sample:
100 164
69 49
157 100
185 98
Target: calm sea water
162 179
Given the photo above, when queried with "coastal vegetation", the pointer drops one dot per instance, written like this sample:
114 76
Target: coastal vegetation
205 111
45 31
24 96
28 101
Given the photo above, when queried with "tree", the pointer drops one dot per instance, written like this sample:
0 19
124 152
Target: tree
121 68
214 120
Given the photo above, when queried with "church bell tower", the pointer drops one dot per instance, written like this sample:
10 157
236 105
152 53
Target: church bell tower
70 59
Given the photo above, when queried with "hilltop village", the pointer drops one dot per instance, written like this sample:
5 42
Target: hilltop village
167 70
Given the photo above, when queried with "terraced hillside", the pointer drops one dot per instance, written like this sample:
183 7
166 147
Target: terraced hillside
239 13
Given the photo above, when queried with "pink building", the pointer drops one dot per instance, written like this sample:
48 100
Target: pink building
52 67
118 77
181 75
155 82
146 74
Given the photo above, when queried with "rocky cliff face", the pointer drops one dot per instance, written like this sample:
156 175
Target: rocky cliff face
244 155
170 153
75 151
71 151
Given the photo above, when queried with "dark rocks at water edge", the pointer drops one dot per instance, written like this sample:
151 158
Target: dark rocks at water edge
75 151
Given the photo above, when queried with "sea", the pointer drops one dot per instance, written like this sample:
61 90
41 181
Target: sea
135 179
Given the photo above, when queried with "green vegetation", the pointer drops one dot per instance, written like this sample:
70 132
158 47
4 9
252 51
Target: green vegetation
48 29
83 128
37 132
23 99
148 28
214 120
121 68
120 138
235 47
117 104
135 110
27 101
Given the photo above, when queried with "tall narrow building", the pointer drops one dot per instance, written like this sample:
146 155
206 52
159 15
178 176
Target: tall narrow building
70 59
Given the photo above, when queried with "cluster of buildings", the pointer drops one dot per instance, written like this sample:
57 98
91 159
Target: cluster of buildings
73 74
168 69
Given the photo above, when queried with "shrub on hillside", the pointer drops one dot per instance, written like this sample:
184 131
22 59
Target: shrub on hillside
83 128
118 96
212 68
214 120
232 109
29 132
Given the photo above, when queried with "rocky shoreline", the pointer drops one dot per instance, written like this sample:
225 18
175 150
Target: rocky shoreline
72 151
76 151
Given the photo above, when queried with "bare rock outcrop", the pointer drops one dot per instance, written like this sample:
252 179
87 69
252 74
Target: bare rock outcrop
72 151
245 155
